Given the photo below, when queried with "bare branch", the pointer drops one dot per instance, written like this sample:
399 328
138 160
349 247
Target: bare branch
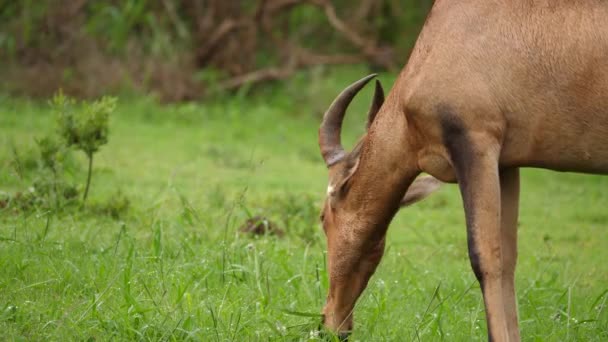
224 29
379 55
305 59
294 56
255 77
366 7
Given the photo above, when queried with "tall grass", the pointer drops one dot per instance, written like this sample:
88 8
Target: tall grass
175 267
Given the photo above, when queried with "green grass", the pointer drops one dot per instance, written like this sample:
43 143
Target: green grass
176 268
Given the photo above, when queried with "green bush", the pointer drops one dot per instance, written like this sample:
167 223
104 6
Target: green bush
80 126
85 129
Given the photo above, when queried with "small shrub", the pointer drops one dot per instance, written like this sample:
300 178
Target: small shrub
44 165
84 127
23 161
26 200
4 200
70 192
87 129
48 180
50 150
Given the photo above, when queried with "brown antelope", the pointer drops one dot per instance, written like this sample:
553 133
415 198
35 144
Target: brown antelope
490 86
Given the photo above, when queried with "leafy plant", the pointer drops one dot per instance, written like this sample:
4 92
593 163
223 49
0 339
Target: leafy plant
45 165
49 166
50 149
87 129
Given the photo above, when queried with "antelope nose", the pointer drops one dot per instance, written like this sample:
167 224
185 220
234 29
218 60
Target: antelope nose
343 337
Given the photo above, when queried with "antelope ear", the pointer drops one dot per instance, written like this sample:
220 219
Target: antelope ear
338 185
376 104
420 189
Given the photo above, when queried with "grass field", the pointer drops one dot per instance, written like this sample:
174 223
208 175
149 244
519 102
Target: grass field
174 266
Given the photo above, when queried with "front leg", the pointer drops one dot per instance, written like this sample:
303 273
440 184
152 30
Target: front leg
475 160
481 198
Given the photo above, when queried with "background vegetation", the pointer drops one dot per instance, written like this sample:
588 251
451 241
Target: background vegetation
157 250
182 49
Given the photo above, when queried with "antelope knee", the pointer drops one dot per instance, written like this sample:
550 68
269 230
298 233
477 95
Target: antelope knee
485 265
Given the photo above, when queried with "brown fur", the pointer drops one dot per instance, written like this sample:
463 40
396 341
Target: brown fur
491 86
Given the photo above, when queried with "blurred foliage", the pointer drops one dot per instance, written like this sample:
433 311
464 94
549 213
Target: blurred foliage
85 128
178 49
49 166
114 206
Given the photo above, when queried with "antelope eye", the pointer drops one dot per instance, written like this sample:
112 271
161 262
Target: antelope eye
322 215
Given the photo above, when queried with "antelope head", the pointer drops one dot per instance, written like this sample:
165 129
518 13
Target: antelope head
358 207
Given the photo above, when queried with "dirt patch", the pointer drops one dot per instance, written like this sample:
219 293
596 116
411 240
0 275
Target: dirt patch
259 225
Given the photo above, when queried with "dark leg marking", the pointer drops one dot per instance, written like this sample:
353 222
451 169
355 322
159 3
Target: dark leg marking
457 142
459 146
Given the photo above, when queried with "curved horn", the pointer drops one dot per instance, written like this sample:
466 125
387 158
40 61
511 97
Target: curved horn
329 132
376 104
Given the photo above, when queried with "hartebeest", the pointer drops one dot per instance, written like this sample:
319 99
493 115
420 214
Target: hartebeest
490 86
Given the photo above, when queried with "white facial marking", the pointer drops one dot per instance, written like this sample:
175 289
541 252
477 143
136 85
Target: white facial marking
330 190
